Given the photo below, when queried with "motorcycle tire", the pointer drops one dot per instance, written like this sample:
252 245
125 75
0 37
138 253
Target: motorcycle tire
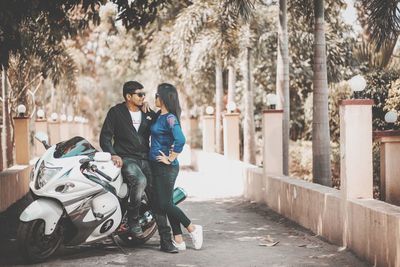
148 229
33 244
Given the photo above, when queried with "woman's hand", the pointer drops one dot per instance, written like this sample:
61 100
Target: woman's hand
145 107
163 158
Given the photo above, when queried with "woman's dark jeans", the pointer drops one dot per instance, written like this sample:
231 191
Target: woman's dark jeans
164 181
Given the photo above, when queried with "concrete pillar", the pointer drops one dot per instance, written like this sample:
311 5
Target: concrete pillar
194 128
22 146
231 136
90 135
209 133
390 162
73 128
40 126
81 130
185 124
64 131
356 148
272 138
54 132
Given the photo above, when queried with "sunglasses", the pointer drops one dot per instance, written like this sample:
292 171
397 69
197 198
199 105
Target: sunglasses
140 94
157 95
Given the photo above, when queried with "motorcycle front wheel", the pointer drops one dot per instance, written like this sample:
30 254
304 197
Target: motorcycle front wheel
149 227
34 245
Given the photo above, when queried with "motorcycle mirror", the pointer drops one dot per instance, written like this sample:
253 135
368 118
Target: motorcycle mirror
43 138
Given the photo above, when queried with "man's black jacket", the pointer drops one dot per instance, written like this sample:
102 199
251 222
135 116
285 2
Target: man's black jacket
119 137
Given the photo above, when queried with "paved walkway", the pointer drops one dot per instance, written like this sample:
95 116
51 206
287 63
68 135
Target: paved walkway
236 233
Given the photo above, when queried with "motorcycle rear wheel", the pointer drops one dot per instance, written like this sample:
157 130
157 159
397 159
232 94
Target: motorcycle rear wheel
148 228
33 244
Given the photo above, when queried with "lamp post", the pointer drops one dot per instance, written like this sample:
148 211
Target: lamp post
272 100
357 85
63 117
54 116
40 114
209 130
21 133
389 143
231 132
272 137
391 118
21 109
231 107
210 110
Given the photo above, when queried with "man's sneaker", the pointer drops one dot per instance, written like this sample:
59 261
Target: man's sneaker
167 246
180 246
197 236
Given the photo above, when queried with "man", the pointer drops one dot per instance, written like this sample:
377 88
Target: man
125 134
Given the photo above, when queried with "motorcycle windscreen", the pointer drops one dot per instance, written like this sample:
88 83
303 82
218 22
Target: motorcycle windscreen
76 146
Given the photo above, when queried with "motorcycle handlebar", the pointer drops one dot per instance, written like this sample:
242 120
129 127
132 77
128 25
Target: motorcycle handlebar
96 170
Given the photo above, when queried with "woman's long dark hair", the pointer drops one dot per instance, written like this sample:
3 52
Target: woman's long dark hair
169 96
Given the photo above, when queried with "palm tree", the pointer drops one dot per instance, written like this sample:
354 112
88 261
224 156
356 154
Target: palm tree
5 121
231 83
383 20
249 142
219 105
381 29
282 80
220 21
320 129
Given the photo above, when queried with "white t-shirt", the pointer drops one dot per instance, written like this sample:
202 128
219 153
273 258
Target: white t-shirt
136 118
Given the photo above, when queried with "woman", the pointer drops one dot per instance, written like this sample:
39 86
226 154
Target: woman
166 132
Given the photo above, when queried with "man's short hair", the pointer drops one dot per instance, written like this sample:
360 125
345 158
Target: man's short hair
130 87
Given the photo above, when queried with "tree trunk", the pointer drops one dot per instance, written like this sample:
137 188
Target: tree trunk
2 159
320 127
231 84
3 119
10 133
249 143
219 103
282 81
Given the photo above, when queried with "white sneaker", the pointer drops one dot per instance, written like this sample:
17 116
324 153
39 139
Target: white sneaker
180 246
197 236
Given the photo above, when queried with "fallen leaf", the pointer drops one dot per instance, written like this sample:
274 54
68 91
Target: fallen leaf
268 244
268 238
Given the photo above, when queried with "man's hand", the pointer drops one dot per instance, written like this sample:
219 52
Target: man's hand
145 107
117 161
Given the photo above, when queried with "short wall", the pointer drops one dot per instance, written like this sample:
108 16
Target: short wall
368 227
224 177
14 184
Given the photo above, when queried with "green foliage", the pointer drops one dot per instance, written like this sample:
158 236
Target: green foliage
340 60
379 84
67 18
383 20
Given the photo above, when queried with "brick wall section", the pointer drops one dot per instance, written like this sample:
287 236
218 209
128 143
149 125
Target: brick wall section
14 184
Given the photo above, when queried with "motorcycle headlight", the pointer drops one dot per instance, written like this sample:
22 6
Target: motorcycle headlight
45 174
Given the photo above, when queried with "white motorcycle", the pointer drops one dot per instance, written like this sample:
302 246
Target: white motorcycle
80 197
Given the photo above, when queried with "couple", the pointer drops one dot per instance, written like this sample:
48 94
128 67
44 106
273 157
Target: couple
125 134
